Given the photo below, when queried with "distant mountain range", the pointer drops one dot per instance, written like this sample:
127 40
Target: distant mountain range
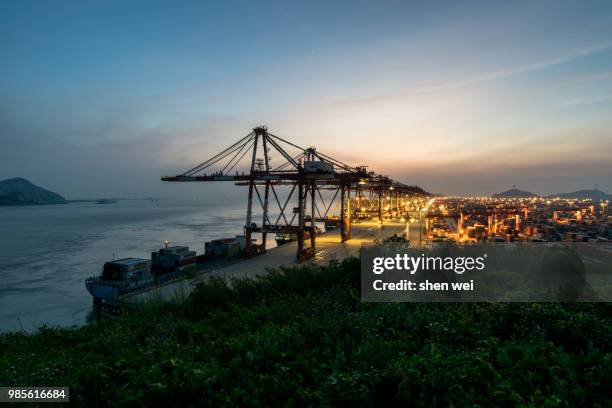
595 195
19 191
417 190
514 193
592 194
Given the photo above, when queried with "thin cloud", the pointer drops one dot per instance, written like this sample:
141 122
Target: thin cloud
491 76
585 101
600 76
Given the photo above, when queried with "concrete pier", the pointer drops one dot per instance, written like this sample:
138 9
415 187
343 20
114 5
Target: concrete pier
329 247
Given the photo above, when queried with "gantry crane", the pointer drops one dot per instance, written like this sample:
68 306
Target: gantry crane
264 163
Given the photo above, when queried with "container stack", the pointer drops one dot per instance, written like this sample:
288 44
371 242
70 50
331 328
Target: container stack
168 263
127 269
225 247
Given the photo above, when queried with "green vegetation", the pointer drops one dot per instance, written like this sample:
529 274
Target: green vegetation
302 337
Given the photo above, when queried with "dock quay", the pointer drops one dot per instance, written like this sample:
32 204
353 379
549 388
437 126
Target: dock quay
294 194
329 247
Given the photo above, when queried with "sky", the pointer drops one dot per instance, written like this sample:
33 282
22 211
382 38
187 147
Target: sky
101 98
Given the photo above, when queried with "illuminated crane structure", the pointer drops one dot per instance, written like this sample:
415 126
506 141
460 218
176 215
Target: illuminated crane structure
287 183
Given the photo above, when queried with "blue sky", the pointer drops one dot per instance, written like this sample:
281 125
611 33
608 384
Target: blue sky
100 98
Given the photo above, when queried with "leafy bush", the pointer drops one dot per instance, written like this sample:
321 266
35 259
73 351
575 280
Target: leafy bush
301 336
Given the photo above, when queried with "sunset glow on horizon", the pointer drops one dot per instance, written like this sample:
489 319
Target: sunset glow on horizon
458 99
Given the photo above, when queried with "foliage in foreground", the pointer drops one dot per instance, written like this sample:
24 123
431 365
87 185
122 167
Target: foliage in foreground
302 337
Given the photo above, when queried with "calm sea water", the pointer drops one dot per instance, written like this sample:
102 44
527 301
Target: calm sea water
47 252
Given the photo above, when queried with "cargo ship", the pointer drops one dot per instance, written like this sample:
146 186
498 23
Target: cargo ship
120 276
170 263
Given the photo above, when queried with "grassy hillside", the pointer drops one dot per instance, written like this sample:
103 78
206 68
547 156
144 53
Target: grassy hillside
303 337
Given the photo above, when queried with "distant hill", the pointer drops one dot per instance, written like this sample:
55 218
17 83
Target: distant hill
514 193
417 190
595 195
19 191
